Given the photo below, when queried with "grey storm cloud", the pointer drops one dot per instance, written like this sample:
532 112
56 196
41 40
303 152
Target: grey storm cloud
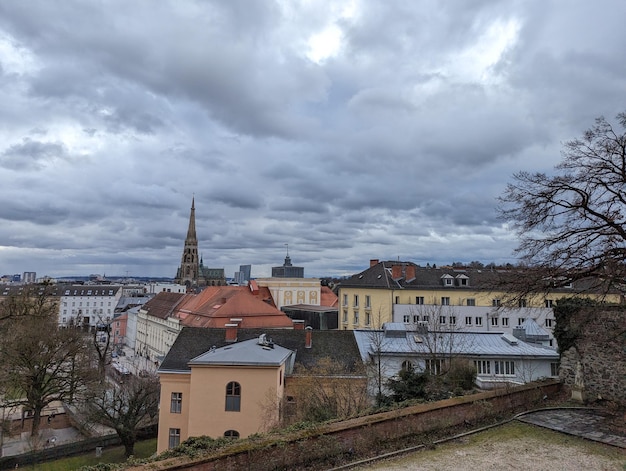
348 130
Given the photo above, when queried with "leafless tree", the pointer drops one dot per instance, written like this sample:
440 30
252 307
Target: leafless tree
125 407
38 359
572 224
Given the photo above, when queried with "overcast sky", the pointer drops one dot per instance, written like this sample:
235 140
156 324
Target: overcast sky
350 130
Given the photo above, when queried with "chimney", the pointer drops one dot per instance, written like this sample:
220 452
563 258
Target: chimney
373 261
396 272
298 324
308 338
231 332
410 272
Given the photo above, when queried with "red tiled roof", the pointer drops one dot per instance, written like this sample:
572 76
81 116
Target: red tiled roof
215 306
163 304
328 298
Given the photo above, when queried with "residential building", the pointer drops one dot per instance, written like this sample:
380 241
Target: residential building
397 291
154 288
88 305
160 320
499 358
230 382
192 272
29 277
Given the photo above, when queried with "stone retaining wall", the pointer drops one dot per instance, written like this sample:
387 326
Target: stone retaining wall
600 350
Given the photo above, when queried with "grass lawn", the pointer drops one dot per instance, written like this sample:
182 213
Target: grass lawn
143 449
512 446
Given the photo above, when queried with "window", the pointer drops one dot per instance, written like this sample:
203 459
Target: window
494 321
483 367
505 321
233 397
356 317
447 281
468 320
442 319
495 302
504 368
231 434
356 300
471 302
479 321
416 319
367 302
554 369
176 403
406 318
426 318
521 320
445 301
368 319
419 299
397 300
407 366
174 438
345 299
549 322
549 303
434 367
463 281
521 303
452 320
345 317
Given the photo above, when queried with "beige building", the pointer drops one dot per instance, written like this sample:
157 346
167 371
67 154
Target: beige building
232 391
231 382
289 291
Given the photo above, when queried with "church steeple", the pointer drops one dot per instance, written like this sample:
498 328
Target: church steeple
188 272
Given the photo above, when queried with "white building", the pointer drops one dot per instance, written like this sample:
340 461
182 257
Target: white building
88 305
499 358
474 318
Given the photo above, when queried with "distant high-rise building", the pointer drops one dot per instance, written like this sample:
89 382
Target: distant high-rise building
192 271
29 277
243 275
287 270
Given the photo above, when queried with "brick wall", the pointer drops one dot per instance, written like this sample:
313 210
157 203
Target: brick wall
357 437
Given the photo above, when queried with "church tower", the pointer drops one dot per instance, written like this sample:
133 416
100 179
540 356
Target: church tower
189 266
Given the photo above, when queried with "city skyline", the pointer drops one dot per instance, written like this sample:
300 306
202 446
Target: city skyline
350 131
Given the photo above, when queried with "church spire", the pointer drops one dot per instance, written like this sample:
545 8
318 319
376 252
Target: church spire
188 271
191 231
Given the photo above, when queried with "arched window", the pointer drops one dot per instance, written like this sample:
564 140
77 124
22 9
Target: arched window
231 434
407 365
233 396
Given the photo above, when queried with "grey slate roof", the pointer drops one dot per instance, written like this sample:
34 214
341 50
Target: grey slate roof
474 344
247 353
338 345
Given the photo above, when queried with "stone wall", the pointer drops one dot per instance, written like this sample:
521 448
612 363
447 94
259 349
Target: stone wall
598 356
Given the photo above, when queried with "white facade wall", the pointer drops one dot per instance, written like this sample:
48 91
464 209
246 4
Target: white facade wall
154 288
475 318
88 305
155 336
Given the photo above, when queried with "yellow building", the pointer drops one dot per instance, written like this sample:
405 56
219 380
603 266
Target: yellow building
232 391
231 382
396 291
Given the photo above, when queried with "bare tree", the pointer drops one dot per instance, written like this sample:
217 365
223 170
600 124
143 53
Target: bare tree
326 391
41 361
572 224
378 365
125 407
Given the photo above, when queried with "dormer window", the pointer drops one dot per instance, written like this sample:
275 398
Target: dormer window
448 280
462 280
